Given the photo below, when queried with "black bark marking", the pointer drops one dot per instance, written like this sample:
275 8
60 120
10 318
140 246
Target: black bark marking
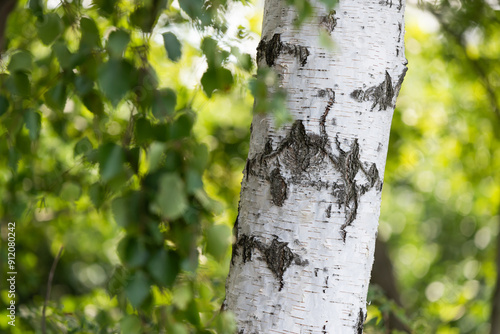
329 22
270 50
386 3
277 255
278 188
328 211
360 322
381 95
234 251
401 78
300 152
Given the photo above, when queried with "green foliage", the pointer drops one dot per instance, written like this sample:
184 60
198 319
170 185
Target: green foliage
102 156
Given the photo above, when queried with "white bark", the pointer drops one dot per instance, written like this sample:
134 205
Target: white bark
311 192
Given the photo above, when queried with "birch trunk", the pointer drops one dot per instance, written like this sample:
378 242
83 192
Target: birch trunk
311 191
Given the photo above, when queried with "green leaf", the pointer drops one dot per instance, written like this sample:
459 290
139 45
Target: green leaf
143 19
155 154
63 54
164 103
97 195
200 158
111 159
93 102
70 191
218 238
216 78
21 61
116 78
137 289
126 209
133 156
181 296
90 34
143 131
164 267
192 314
50 29
36 6
193 181
33 122
106 7
14 158
181 128
55 98
117 43
131 324
82 147
172 46
171 201
194 8
18 83
83 85
132 252
4 105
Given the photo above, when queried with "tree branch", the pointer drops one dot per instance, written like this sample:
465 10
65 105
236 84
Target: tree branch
49 287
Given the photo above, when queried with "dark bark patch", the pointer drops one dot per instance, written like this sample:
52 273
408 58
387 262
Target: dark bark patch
381 95
360 322
235 234
277 255
278 188
329 22
270 50
301 154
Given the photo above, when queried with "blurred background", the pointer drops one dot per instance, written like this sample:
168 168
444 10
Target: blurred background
78 148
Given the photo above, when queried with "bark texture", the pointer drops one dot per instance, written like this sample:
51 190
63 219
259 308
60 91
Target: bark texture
310 198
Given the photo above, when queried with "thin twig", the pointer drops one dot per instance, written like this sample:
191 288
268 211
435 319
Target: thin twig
49 287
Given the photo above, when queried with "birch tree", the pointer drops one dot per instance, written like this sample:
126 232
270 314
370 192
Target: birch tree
311 191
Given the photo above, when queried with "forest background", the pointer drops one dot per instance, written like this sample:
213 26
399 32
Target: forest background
124 131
